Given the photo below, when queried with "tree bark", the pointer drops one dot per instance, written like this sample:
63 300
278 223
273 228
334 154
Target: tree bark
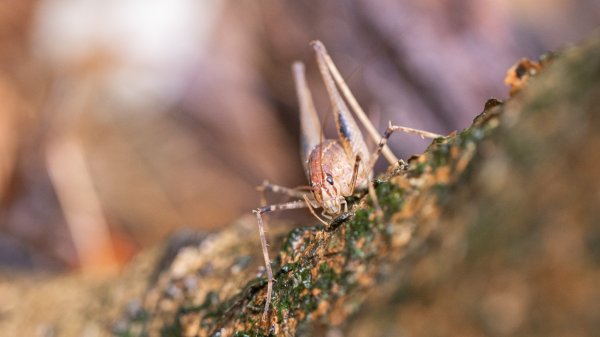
493 230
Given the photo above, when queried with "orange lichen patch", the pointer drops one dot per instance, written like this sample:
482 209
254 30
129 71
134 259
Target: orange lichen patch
518 75
320 272
322 308
365 279
402 237
455 152
401 182
464 159
191 324
339 313
443 175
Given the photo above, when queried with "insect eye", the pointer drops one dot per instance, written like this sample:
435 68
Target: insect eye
329 179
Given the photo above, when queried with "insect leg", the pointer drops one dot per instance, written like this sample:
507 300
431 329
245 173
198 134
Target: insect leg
267 186
357 161
375 200
345 203
349 134
423 134
263 241
310 127
326 216
388 132
311 207
360 113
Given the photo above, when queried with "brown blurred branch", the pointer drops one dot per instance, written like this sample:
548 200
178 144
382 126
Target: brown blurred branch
491 231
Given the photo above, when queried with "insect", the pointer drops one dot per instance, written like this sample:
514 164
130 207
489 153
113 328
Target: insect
334 168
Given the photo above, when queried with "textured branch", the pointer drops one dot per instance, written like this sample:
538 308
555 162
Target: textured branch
491 231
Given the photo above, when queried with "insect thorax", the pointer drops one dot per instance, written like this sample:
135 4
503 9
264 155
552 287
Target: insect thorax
330 171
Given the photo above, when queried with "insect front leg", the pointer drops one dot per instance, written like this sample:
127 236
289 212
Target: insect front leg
266 186
263 241
312 204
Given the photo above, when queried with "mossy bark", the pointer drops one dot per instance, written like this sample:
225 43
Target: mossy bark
493 230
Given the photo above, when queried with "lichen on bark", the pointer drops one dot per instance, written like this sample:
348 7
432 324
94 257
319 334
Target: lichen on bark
468 225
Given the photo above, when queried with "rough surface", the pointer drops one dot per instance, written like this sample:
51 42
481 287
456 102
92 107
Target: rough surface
492 231
71 305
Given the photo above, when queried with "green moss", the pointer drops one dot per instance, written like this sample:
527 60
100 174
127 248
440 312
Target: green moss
126 333
442 191
289 291
390 198
210 301
471 135
417 168
248 334
440 155
293 290
289 267
173 330
305 278
404 293
292 238
141 316
494 226
439 140
357 229
359 226
327 277
592 244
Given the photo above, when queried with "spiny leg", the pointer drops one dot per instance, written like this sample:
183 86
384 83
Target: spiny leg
306 202
349 134
357 161
311 207
310 126
301 192
423 134
345 203
263 241
388 132
292 192
362 116
375 200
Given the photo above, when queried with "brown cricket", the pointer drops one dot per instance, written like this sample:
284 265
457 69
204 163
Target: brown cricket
334 168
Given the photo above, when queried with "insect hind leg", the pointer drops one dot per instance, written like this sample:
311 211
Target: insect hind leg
356 108
382 142
389 131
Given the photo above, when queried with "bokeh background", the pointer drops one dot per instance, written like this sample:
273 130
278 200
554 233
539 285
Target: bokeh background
122 121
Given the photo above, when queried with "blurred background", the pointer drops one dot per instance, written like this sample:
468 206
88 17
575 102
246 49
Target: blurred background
123 121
